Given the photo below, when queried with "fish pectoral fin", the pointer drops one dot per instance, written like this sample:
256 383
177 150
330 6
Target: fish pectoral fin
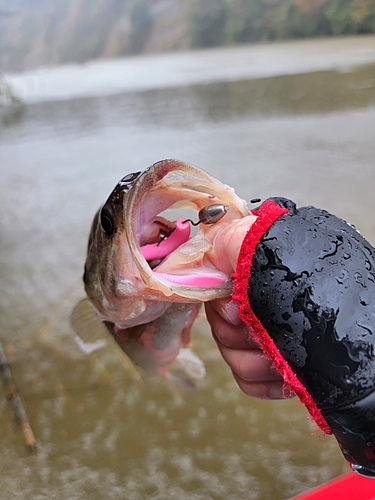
91 332
191 364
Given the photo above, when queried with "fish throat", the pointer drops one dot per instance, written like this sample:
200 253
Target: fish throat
168 256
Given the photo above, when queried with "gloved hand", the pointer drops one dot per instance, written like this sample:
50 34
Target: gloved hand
305 287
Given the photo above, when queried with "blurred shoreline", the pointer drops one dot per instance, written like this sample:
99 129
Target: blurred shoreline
114 76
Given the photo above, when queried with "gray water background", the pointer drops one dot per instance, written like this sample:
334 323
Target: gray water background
294 119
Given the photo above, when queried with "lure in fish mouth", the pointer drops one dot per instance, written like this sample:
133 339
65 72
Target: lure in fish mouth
139 260
146 273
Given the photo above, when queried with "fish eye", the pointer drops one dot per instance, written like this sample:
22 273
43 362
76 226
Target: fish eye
107 222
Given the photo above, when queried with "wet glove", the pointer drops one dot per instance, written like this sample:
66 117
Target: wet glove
305 285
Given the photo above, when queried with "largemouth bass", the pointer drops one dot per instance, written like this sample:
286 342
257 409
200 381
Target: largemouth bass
145 273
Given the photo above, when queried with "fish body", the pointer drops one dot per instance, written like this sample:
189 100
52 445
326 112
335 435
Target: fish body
145 275
157 344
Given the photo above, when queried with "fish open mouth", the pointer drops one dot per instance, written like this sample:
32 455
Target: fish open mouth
169 257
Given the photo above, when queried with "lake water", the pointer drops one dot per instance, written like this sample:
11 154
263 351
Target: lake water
294 119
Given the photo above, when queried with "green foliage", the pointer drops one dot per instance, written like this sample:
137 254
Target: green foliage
207 22
214 22
7 96
363 15
41 32
338 14
12 108
141 22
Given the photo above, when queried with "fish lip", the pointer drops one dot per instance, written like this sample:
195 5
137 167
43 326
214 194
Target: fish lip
181 177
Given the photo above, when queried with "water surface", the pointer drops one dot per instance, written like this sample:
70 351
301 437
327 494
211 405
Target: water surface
307 134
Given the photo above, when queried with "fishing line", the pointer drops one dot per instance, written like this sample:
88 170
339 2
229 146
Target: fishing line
210 214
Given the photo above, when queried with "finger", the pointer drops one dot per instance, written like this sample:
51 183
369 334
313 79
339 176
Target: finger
264 390
250 365
235 336
228 310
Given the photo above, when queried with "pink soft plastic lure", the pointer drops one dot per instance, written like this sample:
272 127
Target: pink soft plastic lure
205 280
180 235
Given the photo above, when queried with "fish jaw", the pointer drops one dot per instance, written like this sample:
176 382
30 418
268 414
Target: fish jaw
123 286
172 183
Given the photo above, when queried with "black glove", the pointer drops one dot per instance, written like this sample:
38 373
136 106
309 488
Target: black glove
305 284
